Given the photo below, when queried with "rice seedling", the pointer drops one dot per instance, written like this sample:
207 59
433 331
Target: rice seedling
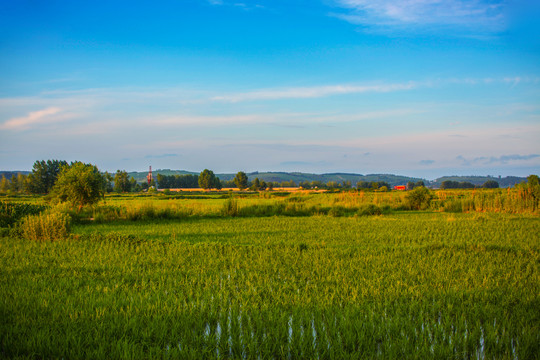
411 285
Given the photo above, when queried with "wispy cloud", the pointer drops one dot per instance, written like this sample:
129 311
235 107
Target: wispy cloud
241 5
313 92
503 159
472 16
176 97
45 116
198 120
506 158
309 92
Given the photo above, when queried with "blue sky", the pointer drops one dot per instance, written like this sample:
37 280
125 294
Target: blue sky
413 87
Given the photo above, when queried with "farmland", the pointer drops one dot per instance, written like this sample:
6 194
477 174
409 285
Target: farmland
345 275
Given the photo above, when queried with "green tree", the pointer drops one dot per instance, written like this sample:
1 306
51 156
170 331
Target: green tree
4 184
449 184
332 185
533 180
79 184
164 181
217 183
207 180
44 174
255 185
304 185
134 186
533 190
107 185
490 184
22 181
241 180
121 182
14 183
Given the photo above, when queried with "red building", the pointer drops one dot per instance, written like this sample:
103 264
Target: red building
400 187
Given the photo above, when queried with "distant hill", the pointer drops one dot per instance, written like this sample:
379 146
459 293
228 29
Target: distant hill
140 176
297 177
9 174
504 182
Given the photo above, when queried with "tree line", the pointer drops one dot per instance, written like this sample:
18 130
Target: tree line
450 184
82 184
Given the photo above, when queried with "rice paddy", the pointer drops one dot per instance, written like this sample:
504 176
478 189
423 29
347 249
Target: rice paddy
416 284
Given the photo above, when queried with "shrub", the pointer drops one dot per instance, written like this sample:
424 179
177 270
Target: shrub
369 210
44 227
419 198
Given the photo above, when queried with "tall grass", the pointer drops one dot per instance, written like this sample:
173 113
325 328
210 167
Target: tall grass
45 227
421 285
351 203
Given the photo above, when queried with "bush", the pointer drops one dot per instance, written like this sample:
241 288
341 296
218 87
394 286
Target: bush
419 198
230 208
369 210
44 227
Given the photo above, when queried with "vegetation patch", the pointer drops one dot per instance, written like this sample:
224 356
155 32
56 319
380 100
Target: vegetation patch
11 212
45 227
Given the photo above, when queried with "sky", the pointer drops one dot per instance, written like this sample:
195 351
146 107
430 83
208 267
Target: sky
421 88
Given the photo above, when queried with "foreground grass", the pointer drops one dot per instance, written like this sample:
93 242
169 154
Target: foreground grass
412 285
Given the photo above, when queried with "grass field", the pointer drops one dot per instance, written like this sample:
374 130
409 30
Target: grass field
405 284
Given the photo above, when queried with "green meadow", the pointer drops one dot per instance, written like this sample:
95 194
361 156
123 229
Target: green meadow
275 276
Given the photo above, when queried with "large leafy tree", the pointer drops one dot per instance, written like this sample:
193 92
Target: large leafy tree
241 180
121 181
208 180
79 184
44 174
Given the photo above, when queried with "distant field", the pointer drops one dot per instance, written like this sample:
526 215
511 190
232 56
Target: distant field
404 284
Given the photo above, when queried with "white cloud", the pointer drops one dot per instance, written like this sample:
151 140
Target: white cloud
313 92
469 15
344 89
45 116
